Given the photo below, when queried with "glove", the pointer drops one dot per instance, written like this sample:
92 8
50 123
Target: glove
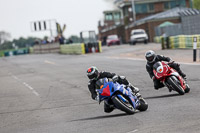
115 78
97 98
171 62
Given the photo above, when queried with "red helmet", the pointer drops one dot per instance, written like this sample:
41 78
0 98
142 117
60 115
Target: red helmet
92 73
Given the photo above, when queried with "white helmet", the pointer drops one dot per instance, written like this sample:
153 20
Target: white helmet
150 56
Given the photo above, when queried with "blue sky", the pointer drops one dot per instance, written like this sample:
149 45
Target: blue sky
78 15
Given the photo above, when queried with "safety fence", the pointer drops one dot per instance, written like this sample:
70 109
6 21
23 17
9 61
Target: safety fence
46 48
180 41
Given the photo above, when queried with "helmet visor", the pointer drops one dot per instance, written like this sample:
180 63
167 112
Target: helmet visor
93 76
150 59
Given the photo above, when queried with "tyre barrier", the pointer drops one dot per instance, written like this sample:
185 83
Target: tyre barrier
157 39
184 41
56 48
180 41
93 47
72 49
81 48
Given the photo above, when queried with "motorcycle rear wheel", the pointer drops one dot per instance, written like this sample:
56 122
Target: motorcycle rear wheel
176 86
123 106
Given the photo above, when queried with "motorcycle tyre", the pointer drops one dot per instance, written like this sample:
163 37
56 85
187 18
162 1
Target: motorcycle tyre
187 90
176 86
122 106
143 105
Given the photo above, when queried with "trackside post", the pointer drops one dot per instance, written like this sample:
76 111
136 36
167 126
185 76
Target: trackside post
194 48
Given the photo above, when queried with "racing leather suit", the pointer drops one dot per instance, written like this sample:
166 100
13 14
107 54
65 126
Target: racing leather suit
149 68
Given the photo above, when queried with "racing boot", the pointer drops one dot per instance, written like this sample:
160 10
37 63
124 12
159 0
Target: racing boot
182 74
135 90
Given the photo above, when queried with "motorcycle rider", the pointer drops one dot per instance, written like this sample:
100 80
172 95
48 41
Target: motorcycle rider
94 75
152 58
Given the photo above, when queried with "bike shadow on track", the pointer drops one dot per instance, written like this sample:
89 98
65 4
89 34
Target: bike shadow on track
102 117
162 96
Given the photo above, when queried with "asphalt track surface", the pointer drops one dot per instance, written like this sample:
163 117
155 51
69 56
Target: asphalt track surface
48 94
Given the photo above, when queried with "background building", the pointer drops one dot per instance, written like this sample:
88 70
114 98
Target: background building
143 9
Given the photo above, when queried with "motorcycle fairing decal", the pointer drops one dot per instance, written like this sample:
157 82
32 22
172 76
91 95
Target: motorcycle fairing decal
106 91
125 92
175 74
122 98
133 102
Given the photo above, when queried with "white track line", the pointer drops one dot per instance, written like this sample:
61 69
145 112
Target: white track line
25 84
50 62
31 88
132 131
15 77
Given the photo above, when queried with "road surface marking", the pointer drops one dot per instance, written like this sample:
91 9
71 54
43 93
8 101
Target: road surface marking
50 62
28 86
25 84
133 131
15 77
31 88
35 93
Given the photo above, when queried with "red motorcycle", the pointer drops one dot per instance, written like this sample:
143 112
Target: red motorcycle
170 78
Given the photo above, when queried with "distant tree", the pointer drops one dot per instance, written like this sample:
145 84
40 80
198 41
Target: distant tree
24 42
20 43
196 4
4 36
6 45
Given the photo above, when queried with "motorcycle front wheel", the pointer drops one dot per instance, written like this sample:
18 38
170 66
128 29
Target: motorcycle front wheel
124 106
175 85
143 105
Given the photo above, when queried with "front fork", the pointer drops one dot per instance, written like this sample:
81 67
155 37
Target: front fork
133 99
178 79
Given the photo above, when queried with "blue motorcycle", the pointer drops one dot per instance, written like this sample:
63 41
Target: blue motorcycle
120 96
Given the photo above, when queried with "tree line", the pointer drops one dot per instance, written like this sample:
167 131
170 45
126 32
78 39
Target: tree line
22 42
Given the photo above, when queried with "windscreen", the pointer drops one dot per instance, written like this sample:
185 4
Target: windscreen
100 83
156 65
112 37
137 33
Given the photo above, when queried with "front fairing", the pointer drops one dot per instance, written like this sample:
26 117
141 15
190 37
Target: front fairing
166 72
110 89
161 70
